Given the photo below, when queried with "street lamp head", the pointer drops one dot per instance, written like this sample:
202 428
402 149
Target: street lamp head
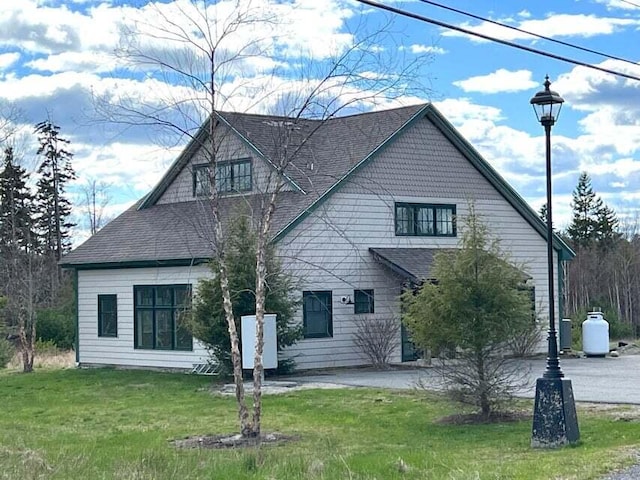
547 104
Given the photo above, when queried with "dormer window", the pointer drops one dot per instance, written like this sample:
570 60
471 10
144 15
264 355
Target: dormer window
231 176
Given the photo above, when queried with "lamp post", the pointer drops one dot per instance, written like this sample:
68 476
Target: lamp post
554 417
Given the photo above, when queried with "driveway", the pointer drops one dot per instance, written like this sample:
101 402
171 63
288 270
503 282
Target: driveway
605 380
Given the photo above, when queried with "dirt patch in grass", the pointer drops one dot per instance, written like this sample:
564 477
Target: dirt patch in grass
478 418
233 441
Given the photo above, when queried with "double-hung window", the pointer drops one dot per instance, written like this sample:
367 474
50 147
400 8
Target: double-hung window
107 315
231 176
425 220
363 301
160 317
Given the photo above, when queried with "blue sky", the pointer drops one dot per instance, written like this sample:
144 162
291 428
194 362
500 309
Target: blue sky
57 57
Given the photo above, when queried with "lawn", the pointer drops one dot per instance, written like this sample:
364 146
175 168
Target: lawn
103 424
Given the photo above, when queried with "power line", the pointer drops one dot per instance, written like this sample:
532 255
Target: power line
542 37
630 3
432 21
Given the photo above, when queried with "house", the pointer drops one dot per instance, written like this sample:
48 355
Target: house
366 202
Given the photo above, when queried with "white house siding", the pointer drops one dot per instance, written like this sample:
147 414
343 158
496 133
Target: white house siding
120 351
231 148
329 250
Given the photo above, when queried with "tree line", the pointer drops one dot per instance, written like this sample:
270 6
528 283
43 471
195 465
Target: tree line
35 231
605 273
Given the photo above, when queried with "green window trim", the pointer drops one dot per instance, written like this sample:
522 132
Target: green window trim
363 301
232 176
425 220
317 314
107 315
158 312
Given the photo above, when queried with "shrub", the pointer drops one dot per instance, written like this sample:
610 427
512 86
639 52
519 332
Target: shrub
377 338
57 325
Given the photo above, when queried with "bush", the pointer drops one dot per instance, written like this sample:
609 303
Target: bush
377 339
57 325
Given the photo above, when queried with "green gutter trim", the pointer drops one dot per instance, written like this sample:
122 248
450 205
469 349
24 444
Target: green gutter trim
560 289
77 315
180 262
336 186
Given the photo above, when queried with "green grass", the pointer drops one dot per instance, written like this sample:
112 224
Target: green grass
103 424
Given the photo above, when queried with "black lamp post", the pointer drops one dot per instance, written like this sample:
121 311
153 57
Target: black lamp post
554 417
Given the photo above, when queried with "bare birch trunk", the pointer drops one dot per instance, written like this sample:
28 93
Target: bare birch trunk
261 274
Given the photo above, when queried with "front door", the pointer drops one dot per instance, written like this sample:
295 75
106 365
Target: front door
409 350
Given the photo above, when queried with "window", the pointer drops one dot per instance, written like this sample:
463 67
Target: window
423 220
201 180
107 315
233 176
317 314
160 317
363 301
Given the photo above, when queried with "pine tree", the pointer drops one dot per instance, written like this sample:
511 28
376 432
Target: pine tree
54 208
543 213
586 205
477 305
607 225
593 223
16 206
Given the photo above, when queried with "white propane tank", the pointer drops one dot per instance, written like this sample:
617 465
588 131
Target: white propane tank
595 335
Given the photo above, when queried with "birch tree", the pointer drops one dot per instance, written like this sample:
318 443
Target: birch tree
203 57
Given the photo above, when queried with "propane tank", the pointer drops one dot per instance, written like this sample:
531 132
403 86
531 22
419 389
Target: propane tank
595 335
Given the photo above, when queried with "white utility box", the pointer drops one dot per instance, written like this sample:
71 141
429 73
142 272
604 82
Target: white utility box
270 350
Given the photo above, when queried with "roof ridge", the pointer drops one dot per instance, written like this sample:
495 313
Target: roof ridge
352 115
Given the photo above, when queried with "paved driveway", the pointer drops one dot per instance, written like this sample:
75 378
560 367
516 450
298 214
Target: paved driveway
607 380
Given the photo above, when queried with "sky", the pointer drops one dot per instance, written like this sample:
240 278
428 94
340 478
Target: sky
74 62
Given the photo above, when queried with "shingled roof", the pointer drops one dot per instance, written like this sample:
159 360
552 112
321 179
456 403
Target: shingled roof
327 152
180 233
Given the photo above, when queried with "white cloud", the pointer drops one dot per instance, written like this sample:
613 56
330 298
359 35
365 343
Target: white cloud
500 81
623 5
90 61
417 49
555 25
462 110
8 59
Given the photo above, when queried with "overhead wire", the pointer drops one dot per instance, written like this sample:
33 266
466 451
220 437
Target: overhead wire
637 5
466 31
533 34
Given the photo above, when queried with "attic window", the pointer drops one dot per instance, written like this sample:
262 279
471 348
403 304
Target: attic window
231 176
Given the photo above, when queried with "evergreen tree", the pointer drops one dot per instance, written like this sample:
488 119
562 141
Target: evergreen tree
543 213
16 206
53 206
476 307
607 225
207 322
593 223
586 205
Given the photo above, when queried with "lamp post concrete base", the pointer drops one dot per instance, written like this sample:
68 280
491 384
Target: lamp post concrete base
555 422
